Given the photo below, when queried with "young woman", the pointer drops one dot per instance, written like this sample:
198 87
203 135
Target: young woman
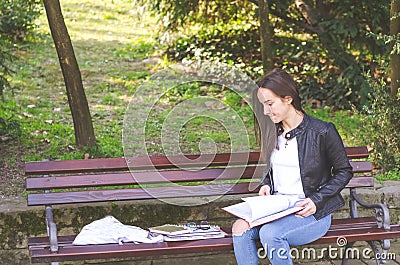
307 162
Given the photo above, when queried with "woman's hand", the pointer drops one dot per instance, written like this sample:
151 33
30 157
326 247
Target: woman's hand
309 208
264 190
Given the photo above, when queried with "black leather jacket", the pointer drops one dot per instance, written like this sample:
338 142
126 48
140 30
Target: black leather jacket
324 167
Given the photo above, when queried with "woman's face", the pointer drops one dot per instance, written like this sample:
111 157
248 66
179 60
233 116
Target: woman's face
275 107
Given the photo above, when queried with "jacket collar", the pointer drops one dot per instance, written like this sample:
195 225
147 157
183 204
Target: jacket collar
296 131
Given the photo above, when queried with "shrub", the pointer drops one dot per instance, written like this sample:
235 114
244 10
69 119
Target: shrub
5 59
17 17
331 63
10 126
17 20
385 124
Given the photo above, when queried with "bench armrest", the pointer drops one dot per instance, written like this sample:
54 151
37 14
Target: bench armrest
381 210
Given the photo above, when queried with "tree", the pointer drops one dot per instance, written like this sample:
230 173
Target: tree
395 51
266 35
84 132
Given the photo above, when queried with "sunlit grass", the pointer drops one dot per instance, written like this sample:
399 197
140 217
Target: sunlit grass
110 40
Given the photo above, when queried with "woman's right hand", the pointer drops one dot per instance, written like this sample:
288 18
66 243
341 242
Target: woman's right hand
264 190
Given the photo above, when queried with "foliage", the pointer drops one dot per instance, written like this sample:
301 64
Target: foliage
177 14
385 123
329 57
10 126
17 19
228 43
385 114
393 174
351 125
5 60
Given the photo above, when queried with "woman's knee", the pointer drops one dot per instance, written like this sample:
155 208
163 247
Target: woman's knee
239 227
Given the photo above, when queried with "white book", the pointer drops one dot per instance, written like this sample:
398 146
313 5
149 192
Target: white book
259 210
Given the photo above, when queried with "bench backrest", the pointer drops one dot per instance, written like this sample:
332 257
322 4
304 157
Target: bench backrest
113 179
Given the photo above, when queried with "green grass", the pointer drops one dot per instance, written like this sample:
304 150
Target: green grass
393 174
110 39
352 126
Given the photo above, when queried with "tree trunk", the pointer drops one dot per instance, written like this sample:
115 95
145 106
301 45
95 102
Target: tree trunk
84 133
266 36
394 57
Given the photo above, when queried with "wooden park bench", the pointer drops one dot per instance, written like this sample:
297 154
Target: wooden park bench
52 183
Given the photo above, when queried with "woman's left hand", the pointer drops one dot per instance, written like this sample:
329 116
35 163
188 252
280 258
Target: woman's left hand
309 208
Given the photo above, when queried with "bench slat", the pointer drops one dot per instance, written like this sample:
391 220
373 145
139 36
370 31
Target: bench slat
343 222
66 166
357 152
155 192
176 191
361 182
70 252
117 164
130 250
150 177
115 179
361 166
138 163
361 234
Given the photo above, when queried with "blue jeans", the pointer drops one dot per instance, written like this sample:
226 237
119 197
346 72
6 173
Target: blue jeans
277 237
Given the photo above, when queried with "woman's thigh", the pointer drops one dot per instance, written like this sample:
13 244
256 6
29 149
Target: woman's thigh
295 230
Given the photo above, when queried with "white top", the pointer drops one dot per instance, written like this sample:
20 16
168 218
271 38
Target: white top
286 169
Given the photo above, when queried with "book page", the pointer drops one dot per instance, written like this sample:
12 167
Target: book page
261 206
275 216
241 210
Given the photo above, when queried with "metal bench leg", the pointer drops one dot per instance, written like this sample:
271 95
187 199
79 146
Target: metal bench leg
376 251
345 258
381 253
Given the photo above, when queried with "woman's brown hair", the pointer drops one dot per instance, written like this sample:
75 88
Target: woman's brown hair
283 85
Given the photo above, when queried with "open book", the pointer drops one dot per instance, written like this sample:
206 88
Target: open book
259 210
